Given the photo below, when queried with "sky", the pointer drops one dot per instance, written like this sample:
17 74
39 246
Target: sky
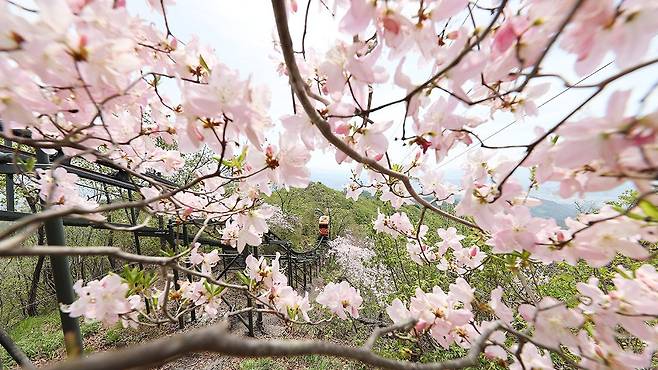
242 34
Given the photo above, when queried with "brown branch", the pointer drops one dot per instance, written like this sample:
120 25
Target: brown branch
429 82
379 332
299 86
10 2
171 262
308 6
218 339
166 21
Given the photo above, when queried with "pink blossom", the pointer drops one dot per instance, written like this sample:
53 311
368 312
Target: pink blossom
59 188
294 305
507 34
398 312
496 351
444 9
341 299
420 253
372 140
500 309
206 260
268 275
450 238
358 17
533 359
103 300
553 322
439 313
606 355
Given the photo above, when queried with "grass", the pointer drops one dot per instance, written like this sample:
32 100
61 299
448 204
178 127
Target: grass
260 364
41 337
314 362
112 336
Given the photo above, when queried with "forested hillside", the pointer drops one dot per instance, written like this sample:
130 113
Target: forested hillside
303 206
376 263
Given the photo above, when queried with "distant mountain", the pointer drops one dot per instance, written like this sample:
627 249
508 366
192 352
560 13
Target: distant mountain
552 205
558 211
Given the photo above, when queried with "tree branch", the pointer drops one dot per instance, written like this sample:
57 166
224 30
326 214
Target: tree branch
299 86
378 332
218 339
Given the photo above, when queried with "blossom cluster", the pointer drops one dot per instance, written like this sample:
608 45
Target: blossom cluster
582 155
341 299
272 286
112 299
59 188
102 83
281 219
446 316
460 260
589 331
356 259
105 300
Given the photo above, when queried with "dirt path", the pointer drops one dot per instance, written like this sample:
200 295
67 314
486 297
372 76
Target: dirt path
272 328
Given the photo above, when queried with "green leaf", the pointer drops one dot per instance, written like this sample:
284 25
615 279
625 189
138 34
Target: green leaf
245 280
27 165
203 63
167 252
632 215
212 289
589 328
235 162
649 209
622 272
292 313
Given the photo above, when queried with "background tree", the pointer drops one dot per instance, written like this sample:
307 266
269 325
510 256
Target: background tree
90 84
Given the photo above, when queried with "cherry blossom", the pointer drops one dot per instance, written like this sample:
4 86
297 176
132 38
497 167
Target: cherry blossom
101 300
99 84
533 359
262 273
341 299
500 309
206 260
450 238
437 312
553 321
356 259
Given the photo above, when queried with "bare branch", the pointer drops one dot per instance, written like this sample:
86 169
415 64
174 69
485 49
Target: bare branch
218 339
299 87
378 332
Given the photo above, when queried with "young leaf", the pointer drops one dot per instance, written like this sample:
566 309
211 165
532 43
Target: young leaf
649 209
